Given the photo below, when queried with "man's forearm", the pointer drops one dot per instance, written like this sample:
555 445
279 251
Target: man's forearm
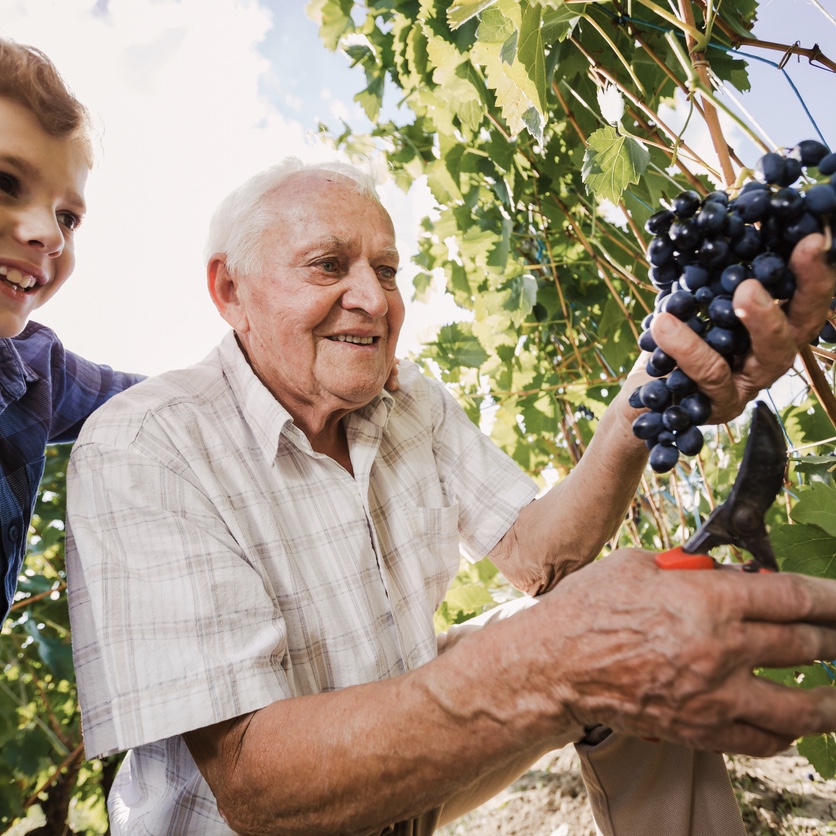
568 527
356 760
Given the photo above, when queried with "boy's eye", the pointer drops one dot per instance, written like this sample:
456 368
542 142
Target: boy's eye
9 184
68 219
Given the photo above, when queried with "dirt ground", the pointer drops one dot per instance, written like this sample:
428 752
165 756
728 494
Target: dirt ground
780 795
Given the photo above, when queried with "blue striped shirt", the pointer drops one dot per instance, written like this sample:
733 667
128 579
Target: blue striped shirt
46 393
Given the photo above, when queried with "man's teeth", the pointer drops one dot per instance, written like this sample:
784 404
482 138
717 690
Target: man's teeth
13 275
345 338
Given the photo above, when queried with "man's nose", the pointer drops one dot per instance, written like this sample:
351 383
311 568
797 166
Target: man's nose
39 228
364 291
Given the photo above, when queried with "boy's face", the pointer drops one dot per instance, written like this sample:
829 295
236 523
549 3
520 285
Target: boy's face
42 179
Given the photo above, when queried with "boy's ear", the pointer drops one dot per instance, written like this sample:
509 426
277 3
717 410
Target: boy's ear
223 288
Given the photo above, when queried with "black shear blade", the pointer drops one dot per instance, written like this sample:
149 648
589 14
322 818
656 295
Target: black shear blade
739 521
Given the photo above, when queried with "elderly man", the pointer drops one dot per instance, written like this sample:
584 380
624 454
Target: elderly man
257 545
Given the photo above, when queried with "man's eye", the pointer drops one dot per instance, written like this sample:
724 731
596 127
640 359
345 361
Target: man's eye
388 276
330 265
68 219
9 184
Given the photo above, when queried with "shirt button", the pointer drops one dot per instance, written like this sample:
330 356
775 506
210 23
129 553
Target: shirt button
12 532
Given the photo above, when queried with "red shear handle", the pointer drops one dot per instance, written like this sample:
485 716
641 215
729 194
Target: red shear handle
679 559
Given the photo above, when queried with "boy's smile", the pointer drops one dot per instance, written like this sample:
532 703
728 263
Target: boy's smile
42 179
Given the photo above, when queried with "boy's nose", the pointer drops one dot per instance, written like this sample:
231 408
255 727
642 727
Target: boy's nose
40 229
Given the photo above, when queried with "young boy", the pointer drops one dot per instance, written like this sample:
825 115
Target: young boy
46 392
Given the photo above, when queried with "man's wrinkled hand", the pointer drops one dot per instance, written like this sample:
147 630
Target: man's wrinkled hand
670 654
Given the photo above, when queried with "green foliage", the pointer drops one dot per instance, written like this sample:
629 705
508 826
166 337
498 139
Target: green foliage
43 775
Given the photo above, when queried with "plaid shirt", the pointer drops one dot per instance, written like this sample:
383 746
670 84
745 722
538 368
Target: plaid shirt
217 563
45 395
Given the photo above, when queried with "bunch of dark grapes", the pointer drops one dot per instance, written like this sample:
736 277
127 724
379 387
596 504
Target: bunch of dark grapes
702 249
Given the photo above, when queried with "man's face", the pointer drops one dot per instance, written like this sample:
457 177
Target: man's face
323 316
42 179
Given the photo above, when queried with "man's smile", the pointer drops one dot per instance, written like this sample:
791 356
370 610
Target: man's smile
348 338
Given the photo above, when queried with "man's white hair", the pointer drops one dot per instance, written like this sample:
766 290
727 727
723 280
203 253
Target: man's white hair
238 223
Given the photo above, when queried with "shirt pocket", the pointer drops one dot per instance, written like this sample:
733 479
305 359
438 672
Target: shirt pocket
434 534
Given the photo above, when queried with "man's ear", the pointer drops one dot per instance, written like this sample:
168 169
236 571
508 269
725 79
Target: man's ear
223 288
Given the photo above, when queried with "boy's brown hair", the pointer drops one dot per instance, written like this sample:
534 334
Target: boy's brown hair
29 77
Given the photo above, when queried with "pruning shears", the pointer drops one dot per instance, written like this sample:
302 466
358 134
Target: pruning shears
740 520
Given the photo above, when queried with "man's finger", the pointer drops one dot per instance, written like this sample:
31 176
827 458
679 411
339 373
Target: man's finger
815 287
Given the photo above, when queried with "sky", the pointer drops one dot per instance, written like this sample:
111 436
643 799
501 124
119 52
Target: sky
190 97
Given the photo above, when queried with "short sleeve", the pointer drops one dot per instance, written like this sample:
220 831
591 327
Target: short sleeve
489 487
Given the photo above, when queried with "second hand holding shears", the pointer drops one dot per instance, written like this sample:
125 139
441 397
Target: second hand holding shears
740 520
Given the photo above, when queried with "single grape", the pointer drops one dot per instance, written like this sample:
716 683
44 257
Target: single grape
713 250
660 251
716 197
659 222
676 418
786 203
732 276
712 217
655 394
690 441
680 384
721 340
698 406
791 173
828 333
696 324
635 398
721 312
664 275
695 276
663 458
827 165
821 199
685 204
681 304
704 296
770 167
648 425
685 234
768 268
662 360
748 245
809 152
753 205
646 341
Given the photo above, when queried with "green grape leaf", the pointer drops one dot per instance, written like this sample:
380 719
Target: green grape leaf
806 549
531 54
522 298
820 750
612 162
495 27
463 10
56 653
817 507
333 18
459 347
468 599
